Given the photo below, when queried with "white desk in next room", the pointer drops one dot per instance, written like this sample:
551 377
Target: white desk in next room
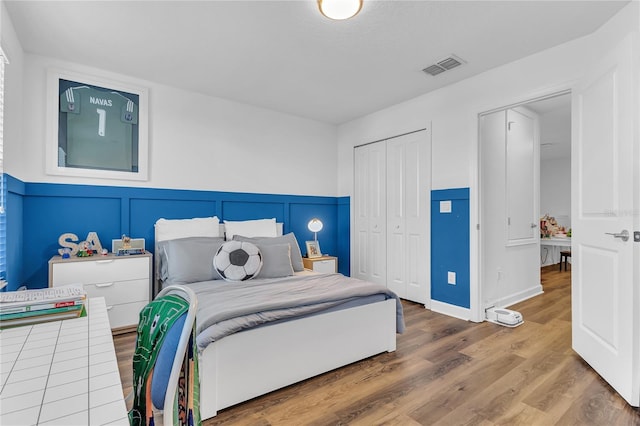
550 249
62 373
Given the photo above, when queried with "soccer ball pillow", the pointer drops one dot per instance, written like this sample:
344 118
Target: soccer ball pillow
237 261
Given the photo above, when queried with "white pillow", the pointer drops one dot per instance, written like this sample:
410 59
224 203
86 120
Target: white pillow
251 228
183 228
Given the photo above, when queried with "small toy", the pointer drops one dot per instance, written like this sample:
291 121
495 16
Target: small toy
66 253
84 249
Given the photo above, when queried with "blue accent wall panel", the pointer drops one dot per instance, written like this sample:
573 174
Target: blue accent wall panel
45 217
250 210
41 212
304 212
343 239
450 246
145 212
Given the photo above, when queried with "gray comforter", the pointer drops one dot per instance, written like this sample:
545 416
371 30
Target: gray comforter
227 307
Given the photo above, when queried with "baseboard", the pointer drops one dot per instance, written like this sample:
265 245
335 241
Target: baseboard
512 299
451 310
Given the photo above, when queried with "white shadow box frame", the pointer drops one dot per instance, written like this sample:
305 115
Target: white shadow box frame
93 101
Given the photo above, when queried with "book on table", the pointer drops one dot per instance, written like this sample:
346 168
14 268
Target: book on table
40 305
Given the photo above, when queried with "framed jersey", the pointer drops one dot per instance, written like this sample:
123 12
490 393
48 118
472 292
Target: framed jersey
97 128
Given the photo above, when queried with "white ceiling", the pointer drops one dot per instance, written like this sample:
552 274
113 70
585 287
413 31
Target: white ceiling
283 55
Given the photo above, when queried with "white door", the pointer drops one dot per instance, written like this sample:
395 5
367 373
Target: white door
397 253
408 166
369 251
606 329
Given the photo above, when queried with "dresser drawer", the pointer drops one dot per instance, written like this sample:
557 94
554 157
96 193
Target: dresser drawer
123 281
323 265
100 271
119 292
125 315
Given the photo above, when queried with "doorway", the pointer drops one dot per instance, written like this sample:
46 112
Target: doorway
555 177
524 173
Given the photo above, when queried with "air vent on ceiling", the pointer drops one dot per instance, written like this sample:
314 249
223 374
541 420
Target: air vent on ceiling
443 65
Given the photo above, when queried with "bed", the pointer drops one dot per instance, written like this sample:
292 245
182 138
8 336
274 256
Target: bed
274 344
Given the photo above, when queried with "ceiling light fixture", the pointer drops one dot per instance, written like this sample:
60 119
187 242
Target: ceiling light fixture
339 9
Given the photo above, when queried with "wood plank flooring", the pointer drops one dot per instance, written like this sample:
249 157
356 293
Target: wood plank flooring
449 372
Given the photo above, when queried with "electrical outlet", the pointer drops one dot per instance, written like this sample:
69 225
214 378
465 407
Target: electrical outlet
451 278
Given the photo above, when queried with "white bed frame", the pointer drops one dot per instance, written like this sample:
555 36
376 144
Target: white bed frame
257 361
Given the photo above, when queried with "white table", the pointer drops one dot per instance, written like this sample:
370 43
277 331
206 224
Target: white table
550 249
555 241
62 373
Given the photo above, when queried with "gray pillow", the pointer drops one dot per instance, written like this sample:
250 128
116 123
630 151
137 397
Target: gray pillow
163 259
276 261
290 238
190 259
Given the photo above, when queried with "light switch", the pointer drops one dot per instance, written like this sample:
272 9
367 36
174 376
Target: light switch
445 206
451 278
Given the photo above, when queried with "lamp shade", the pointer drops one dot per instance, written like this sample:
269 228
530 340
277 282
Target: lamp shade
339 9
315 225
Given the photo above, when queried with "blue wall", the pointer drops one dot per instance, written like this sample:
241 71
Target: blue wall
343 236
450 245
49 210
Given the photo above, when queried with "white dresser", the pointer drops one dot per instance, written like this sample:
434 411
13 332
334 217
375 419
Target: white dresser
123 281
62 373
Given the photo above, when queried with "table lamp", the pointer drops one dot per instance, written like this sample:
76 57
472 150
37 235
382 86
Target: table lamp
315 226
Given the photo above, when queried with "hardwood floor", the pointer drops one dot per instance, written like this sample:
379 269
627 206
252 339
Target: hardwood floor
449 372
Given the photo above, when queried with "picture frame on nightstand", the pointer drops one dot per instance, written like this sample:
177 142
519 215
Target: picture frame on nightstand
313 249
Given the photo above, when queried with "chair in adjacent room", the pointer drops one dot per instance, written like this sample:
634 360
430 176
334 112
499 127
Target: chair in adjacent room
564 256
166 352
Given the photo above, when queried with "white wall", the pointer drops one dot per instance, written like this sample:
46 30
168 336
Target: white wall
195 141
454 110
555 199
555 188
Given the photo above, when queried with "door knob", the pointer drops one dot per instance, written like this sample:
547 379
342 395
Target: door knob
623 235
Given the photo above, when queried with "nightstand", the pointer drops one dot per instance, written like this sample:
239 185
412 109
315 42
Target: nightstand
123 281
324 264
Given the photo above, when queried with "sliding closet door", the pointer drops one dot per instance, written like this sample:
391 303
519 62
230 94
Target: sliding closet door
369 242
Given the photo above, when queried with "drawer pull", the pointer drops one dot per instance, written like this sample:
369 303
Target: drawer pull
105 261
104 285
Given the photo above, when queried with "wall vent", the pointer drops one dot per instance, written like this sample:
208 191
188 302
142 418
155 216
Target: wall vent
443 65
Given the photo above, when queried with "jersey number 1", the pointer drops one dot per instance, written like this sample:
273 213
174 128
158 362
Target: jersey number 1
102 121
